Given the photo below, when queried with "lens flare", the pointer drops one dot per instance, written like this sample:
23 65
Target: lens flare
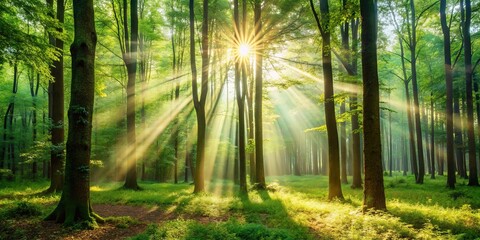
244 50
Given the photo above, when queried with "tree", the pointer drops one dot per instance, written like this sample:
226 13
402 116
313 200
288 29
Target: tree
56 101
130 59
199 102
240 91
74 203
349 60
259 165
466 13
373 194
449 100
406 81
334 184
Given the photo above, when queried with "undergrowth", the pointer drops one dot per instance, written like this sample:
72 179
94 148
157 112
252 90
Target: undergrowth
292 208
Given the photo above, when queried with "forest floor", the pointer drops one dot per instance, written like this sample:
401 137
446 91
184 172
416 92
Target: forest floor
294 208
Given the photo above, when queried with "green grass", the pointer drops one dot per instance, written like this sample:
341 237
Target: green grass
297 209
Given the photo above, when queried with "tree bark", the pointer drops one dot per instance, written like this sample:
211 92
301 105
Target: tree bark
56 110
343 138
466 14
259 164
411 127
374 195
416 102
334 184
432 137
131 62
449 101
199 102
459 154
357 170
74 205
240 96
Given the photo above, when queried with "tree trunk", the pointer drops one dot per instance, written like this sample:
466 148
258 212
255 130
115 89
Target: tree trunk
199 102
466 14
75 204
334 184
374 195
357 170
416 103
458 138
259 164
56 110
390 147
131 62
477 100
411 127
432 137
343 140
449 101
240 89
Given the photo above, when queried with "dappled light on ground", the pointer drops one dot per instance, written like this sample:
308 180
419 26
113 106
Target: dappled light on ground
294 207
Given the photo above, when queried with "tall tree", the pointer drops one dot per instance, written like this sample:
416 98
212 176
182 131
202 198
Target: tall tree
334 184
199 102
240 91
416 104
449 101
259 164
466 13
374 194
130 59
406 81
56 108
75 204
348 59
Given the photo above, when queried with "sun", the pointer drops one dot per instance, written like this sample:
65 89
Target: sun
244 50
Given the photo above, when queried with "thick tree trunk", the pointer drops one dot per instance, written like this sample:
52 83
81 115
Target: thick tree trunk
75 204
374 195
449 101
131 62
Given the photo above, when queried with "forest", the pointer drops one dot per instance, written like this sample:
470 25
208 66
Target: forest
239 119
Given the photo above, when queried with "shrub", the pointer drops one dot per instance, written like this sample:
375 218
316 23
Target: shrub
24 209
6 174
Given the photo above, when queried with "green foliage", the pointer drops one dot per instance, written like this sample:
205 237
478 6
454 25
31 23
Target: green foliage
122 222
231 230
23 21
6 174
23 209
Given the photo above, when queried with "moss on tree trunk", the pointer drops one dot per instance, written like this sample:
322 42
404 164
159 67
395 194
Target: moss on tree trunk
74 205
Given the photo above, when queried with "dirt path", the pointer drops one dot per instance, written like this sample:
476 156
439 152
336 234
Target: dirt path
50 230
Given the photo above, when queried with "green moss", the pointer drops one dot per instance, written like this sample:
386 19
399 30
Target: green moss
122 222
